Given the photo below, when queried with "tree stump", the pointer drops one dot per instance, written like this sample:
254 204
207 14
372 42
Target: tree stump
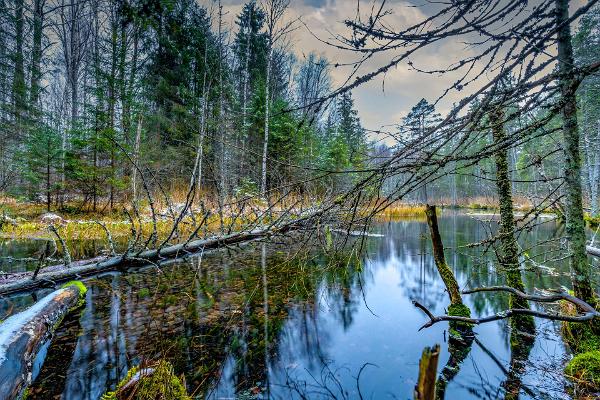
425 388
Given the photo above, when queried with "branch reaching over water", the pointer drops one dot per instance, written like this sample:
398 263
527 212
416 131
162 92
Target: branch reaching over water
588 314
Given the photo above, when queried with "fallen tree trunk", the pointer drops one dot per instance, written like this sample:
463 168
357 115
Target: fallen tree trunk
593 251
23 335
77 270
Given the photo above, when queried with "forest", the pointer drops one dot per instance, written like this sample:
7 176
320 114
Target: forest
299 199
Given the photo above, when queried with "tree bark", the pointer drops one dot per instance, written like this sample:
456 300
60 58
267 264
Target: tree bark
19 73
575 227
36 52
425 388
440 260
263 180
509 251
23 335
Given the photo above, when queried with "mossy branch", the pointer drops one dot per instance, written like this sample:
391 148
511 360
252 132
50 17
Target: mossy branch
588 314
438 255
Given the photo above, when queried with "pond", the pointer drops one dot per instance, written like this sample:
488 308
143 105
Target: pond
263 322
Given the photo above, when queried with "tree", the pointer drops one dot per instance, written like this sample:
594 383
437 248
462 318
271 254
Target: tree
509 251
421 118
276 30
43 154
586 47
575 228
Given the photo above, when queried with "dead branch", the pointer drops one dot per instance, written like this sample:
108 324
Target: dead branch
136 259
66 255
109 238
588 314
594 251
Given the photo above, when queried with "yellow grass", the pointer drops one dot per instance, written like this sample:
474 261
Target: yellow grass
400 210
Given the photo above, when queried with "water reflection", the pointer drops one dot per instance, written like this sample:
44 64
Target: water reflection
258 323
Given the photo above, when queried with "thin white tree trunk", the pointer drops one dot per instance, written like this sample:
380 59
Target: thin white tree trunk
136 155
263 182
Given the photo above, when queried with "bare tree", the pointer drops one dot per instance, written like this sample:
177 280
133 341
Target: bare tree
276 29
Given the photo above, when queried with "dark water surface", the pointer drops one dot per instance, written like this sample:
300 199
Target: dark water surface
260 323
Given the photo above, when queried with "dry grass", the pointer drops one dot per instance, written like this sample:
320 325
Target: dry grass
485 203
401 210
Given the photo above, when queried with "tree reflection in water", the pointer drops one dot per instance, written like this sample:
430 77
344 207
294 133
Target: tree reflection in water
243 324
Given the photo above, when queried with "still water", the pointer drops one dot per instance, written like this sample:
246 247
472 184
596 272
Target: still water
262 322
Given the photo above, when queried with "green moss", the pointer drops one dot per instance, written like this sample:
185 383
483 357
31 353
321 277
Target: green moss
161 384
582 339
592 222
80 286
143 293
580 336
584 369
82 291
458 330
459 310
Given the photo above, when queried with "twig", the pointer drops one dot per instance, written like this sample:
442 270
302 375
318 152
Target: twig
109 237
589 312
66 255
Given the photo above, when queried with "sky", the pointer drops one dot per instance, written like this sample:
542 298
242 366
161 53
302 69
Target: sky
384 101
381 103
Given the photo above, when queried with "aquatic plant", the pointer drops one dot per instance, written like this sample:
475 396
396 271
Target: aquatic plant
156 382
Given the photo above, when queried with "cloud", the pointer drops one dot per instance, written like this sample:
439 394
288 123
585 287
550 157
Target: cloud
385 100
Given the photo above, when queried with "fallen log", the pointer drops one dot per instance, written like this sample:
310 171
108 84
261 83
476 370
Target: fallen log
593 251
24 335
54 275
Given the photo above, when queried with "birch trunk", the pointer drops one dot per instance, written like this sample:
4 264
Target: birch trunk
136 155
263 181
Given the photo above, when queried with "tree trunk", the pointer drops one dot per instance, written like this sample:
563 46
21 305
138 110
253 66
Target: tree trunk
19 73
509 251
575 228
138 259
36 52
112 101
48 194
23 335
440 260
263 180
136 156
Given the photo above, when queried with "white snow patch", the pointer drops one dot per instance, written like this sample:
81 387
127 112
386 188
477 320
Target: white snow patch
14 323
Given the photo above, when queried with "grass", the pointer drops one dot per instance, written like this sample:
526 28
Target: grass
401 210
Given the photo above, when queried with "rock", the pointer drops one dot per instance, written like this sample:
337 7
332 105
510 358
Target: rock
6 220
52 219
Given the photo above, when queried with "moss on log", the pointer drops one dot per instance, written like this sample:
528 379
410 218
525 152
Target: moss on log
155 382
425 388
24 336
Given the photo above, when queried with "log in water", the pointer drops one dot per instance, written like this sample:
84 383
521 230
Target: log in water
24 336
